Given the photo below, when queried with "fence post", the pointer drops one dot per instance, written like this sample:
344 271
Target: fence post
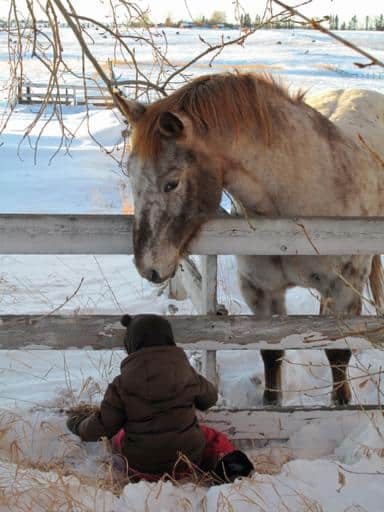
209 306
201 287
19 90
29 96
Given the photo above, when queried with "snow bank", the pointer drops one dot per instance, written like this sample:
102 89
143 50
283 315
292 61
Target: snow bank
49 469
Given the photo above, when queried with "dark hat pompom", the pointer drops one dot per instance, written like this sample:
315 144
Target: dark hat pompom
126 320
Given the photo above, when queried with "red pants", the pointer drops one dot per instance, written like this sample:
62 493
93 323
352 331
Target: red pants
217 444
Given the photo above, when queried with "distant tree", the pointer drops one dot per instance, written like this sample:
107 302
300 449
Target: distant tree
168 21
379 22
218 17
352 25
245 20
333 22
143 21
343 26
201 21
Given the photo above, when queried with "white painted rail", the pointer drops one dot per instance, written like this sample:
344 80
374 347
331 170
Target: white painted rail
66 94
112 234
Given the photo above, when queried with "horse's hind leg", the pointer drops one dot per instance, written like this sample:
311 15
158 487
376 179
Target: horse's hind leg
338 360
341 298
264 304
272 371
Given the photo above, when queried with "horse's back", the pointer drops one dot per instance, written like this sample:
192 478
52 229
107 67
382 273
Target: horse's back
356 112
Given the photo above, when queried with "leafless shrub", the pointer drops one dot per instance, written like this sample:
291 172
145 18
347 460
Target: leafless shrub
36 35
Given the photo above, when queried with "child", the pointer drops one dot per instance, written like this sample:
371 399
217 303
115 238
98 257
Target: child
152 406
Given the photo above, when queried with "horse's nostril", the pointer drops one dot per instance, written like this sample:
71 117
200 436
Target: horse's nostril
154 276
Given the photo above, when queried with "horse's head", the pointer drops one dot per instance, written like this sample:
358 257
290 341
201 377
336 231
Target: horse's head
176 188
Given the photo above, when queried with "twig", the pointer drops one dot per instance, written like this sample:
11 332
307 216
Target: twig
108 284
219 47
68 299
337 273
77 33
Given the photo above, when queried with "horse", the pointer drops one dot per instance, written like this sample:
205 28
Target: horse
275 154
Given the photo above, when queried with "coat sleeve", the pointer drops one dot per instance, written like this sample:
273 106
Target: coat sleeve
108 420
207 395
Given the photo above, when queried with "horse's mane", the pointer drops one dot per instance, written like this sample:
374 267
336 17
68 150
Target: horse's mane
224 103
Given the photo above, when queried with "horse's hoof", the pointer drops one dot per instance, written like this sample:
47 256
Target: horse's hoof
272 398
341 396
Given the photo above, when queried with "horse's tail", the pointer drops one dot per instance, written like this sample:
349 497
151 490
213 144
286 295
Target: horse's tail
376 281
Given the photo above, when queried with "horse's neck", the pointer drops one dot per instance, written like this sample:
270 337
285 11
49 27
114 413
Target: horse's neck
300 161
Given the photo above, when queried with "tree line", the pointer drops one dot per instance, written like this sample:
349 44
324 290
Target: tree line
218 19
368 23
245 21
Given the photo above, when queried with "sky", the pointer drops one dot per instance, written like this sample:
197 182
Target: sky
177 9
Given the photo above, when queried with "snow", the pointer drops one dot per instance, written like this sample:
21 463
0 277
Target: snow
336 466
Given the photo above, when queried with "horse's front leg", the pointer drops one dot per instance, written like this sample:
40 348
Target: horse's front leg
264 304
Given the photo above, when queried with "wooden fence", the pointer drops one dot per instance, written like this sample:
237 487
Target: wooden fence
65 94
110 234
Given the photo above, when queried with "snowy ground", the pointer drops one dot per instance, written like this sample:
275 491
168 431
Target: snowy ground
337 467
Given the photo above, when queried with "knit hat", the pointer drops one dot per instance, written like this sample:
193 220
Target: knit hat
146 331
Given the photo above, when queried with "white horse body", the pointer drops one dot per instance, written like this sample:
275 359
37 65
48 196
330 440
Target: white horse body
355 111
276 156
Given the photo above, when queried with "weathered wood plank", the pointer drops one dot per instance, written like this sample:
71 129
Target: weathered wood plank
253 424
65 234
208 284
209 307
202 290
209 363
195 332
112 234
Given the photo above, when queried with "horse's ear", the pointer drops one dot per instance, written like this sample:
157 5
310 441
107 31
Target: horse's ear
131 110
170 125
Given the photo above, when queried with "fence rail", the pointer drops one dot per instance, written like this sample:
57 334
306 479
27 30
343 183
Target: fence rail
112 234
280 423
67 94
207 332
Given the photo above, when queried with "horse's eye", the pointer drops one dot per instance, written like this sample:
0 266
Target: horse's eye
170 185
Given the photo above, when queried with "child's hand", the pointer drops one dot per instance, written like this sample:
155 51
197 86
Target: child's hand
74 420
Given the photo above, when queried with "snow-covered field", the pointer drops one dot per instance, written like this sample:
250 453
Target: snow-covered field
337 467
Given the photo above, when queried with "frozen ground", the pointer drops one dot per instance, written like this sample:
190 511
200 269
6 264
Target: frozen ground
337 467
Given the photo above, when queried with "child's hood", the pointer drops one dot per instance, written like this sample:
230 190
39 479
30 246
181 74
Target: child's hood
146 331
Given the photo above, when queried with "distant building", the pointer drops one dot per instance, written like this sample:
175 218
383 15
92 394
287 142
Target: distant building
187 24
